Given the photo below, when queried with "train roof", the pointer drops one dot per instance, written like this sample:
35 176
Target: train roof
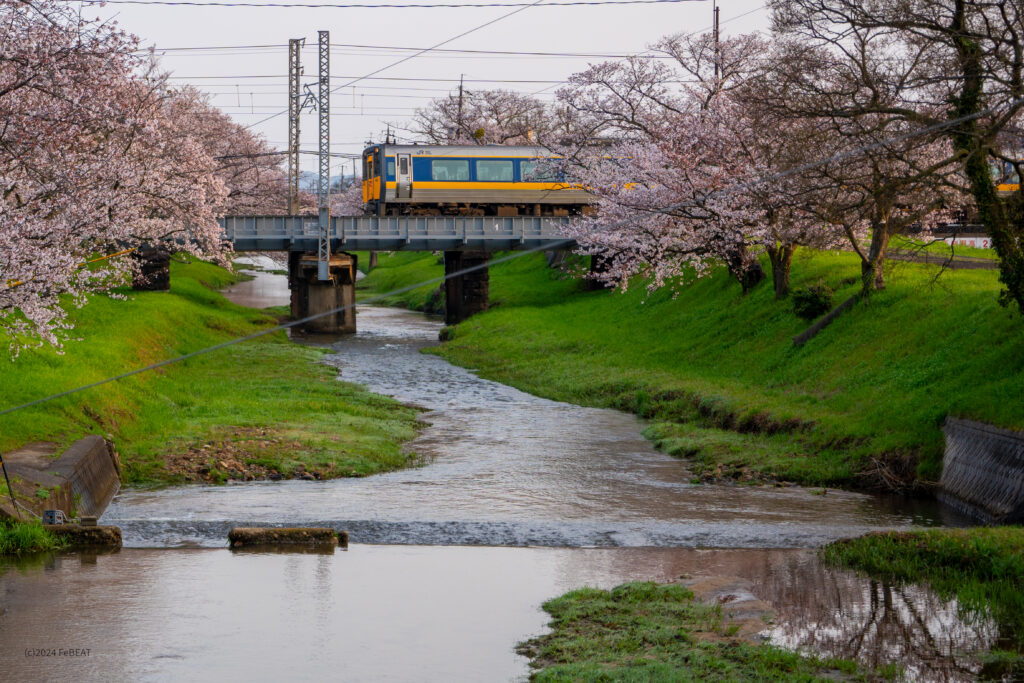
464 150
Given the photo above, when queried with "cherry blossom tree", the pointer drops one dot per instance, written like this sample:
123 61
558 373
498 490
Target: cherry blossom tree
249 168
96 156
959 63
888 178
482 117
657 143
349 201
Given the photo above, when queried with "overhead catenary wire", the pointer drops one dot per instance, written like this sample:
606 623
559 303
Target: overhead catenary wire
689 33
402 48
428 5
726 191
356 79
414 55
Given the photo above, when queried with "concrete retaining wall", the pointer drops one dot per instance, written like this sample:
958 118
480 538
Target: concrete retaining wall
983 471
82 481
92 468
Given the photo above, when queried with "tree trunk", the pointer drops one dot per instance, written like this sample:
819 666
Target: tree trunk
871 271
746 270
781 257
1005 223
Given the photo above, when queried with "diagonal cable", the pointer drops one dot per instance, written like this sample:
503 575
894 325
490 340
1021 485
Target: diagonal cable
413 56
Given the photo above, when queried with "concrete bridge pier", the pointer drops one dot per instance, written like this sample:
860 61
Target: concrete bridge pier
469 293
310 296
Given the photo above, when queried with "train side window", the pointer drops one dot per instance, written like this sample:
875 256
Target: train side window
494 171
536 171
449 169
391 168
404 164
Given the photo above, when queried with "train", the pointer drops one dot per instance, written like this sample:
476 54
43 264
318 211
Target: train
467 180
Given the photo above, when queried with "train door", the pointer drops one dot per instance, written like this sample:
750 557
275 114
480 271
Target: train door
403 177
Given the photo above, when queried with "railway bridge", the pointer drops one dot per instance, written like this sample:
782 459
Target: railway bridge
322 267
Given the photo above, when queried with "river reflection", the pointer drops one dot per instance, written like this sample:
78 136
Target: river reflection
267 286
404 613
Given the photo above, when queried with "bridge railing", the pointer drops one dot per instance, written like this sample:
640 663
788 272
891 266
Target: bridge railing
395 233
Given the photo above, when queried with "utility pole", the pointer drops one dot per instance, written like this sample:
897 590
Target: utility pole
324 184
717 51
294 72
458 121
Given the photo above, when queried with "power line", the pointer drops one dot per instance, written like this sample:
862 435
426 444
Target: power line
524 5
842 156
401 48
690 33
415 54
373 78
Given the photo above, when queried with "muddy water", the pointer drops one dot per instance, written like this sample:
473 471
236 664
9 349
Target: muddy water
414 613
504 469
507 468
267 286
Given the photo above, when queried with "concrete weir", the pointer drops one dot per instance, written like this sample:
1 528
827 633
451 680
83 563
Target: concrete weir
983 471
312 296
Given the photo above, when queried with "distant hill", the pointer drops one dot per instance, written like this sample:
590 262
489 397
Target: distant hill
308 181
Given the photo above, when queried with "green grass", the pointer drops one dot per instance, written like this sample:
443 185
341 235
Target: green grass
398 270
983 568
718 376
21 538
942 249
652 632
265 405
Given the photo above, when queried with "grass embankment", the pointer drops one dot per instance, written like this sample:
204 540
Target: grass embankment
264 408
718 376
21 538
651 632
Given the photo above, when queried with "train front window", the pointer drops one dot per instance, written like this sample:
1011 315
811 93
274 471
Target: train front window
493 171
449 169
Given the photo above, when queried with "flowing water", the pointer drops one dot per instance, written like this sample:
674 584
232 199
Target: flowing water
507 468
410 600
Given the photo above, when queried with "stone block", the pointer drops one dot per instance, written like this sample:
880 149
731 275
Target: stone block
80 536
240 537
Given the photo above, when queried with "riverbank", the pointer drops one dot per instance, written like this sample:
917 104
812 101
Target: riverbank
263 409
983 568
649 631
26 538
660 631
719 379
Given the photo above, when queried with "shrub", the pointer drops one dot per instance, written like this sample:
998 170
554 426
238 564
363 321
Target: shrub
812 302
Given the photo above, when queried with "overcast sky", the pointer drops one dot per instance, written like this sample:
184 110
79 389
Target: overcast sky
250 84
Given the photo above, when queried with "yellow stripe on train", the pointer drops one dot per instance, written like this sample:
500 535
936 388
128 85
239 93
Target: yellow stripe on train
477 185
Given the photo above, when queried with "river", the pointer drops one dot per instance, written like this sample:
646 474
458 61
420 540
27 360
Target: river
518 500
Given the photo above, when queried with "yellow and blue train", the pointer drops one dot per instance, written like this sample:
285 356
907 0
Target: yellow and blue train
492 180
